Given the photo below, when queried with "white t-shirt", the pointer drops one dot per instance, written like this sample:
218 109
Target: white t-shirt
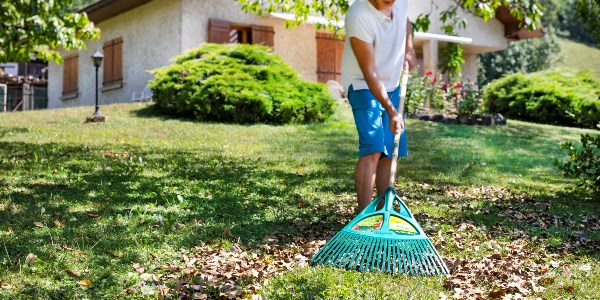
388 36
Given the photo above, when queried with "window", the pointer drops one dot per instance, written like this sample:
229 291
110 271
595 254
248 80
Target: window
70 76
113 64
223 32
329 57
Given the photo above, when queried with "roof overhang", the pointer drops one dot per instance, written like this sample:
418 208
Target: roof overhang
443 38
311 19
512 26
105 9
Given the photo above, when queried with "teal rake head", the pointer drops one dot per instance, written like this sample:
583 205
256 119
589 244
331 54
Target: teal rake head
388 240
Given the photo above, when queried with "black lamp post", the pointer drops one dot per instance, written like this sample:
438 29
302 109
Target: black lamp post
97 60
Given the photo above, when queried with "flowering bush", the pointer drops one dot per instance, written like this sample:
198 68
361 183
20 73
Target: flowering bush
450 98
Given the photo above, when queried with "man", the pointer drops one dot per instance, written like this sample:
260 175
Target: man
378 45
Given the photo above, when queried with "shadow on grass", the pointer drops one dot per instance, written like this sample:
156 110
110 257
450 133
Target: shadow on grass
116 206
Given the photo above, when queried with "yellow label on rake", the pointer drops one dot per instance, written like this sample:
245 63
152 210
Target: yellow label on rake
369 224
399 225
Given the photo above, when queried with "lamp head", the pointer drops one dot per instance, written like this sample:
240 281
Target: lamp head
97 58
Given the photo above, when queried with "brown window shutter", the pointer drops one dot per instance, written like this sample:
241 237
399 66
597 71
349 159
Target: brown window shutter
66 75
263 35
329 57
108 63
113 62
75 74
70 72
118 61
218 31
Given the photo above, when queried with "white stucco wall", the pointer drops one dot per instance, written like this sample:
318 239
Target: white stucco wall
151 36
296 46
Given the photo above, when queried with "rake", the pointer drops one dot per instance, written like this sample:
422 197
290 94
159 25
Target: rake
388 239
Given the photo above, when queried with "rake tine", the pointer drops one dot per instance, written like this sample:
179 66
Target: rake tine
326 253
428 263
421 259
350 253
340 252
360 254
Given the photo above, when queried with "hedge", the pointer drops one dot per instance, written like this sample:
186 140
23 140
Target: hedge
560 97
238 83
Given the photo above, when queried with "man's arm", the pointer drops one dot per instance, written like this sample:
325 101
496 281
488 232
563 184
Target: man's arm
410 57
365 55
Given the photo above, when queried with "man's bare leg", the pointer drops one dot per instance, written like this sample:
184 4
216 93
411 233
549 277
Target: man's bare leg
364 179
382 179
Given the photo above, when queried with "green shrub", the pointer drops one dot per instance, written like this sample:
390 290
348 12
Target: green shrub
583 164
560 97
238 84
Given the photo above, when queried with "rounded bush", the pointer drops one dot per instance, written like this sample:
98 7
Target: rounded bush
560 97
238 83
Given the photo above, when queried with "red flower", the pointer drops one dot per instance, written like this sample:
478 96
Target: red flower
429 73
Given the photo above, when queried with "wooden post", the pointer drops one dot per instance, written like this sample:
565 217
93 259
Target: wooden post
4 96
26 92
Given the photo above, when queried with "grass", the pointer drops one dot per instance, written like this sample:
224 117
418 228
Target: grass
91 200
580 56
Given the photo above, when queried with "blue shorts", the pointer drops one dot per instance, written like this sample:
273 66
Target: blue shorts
372 124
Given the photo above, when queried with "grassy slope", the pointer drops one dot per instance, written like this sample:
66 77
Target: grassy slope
181 183
580 57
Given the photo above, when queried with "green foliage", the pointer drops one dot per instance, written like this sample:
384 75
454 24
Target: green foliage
240 84
469 103
559 97
525 56
583 164
573 19
417 90
529 11
41 28
589 12
451 60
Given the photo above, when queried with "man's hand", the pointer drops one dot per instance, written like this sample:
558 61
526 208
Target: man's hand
396 123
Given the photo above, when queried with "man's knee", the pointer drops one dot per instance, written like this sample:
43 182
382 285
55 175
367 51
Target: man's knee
372 158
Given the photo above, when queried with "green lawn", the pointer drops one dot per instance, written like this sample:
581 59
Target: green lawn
580 56
146 207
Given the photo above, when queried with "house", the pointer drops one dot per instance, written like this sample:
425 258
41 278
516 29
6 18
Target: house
141 35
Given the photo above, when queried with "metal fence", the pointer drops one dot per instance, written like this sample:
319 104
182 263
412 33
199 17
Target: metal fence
23 97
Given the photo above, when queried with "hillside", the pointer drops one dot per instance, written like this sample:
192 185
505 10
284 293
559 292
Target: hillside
580 56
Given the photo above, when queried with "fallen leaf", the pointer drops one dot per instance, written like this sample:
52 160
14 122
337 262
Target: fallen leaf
31 258
64 247
566 272
57 223
38 224
200 296
93 216
139 268
86 283
72 273
569 289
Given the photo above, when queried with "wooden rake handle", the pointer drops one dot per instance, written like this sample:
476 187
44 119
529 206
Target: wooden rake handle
403 84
